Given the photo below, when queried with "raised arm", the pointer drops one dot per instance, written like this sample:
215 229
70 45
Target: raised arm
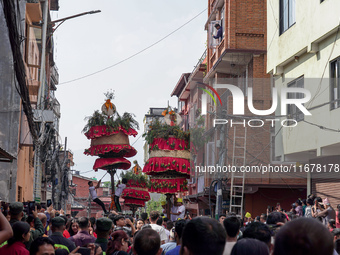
5 229
98 184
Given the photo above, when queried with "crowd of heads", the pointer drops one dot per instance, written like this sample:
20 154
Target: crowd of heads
299 230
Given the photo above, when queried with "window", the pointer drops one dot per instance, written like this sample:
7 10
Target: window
292 111
19 194
334 83
287 14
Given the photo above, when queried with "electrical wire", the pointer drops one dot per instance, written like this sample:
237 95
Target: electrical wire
139 52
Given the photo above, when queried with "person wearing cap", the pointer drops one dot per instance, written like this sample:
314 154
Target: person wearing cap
16 212
103 230
328 213
58 227
181 209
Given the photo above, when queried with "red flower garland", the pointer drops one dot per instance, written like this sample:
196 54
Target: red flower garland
136 194
168 185
133 183
134 202
102 149
158 165
99 131
171 143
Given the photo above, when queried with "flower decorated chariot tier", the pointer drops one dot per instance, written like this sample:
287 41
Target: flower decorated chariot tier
136 192
109 134
168 165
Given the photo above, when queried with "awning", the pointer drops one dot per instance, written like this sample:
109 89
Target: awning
5 156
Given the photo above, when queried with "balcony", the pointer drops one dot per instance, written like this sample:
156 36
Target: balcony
54 77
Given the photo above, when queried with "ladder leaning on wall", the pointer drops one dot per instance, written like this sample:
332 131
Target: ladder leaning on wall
237 179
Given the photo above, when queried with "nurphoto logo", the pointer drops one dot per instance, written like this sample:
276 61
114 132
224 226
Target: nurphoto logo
238 104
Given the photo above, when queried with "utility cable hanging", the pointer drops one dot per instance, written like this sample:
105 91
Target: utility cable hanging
139 52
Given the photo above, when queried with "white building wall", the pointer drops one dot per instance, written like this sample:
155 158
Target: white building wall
316 25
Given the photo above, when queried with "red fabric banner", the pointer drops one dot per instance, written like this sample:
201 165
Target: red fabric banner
111 163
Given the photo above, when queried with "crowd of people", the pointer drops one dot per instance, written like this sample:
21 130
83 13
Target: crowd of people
311 226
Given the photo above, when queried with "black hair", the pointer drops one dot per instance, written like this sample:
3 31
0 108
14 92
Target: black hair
303 236
39 242
154 215
147 242
159 222
222 214
203 236
179 227
309 201
69 229
298 202
276 217
93 221
124 181
250 246
332 223
89 182
259 231
144 216
217 25
337 245
258 218
30 219
19 228
232 225
264 216
83 222
117 218
169 225
304 201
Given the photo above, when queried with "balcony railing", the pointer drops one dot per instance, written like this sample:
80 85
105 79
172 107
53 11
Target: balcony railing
54 75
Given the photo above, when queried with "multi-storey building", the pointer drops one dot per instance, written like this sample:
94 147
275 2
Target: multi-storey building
237 57
22 117
303 52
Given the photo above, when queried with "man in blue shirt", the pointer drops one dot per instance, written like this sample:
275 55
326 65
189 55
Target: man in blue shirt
219 32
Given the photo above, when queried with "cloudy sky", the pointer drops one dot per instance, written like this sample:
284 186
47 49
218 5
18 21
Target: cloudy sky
90 43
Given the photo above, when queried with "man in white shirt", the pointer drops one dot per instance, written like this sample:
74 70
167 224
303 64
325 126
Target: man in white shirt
118 192
154 215
180 210
232 226
163 204
174 210
94 196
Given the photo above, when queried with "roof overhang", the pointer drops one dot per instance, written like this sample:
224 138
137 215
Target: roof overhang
5 156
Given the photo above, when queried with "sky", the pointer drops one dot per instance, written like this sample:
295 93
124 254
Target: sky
90 43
